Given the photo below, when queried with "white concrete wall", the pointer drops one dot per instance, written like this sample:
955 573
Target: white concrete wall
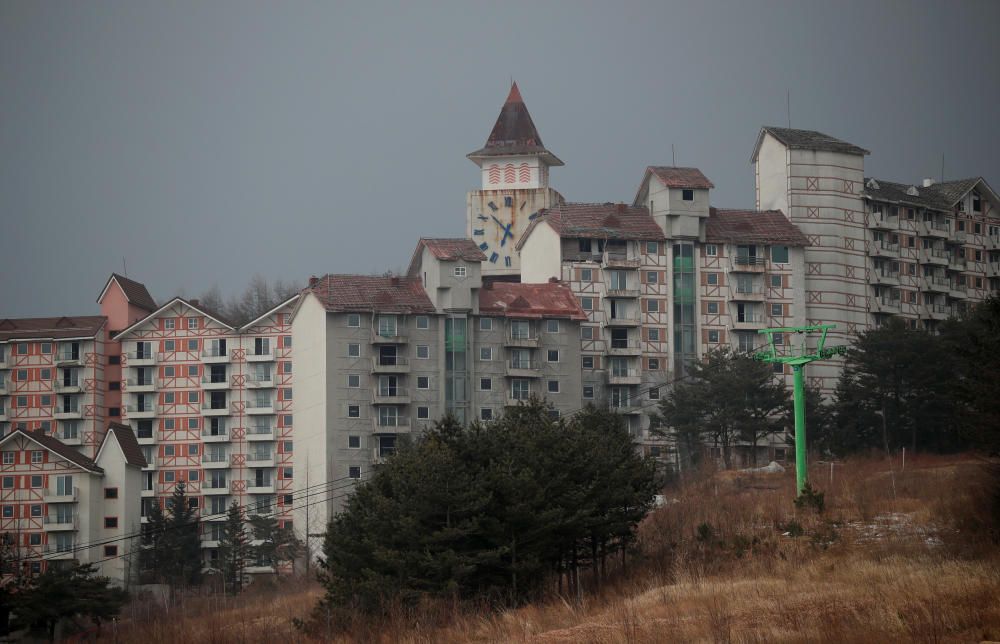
118 474
541 255
771 175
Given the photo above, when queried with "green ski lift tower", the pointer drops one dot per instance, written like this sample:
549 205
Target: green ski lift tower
799 359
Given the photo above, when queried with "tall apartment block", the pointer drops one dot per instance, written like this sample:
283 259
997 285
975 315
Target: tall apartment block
380 358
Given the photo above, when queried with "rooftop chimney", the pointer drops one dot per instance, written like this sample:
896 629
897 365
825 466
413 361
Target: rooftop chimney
194 302
928 182
621 207
313 281
394 281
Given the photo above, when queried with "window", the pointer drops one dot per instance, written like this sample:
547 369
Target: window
587 332
654 393
687 194
653 306
114 411
423 413
486 414
776 281
585 246
353 442
588 392
423 352
168 372
192 397
114 385
712 279
110 493
653 335
552 355
192 345
35 539
712 307
485 324
9 458
110 522
37 457
485 353
520 389
459 271
354 350
353 380
22 401
779 254
353 319
354 411
286 393
192 323
36 481
777 310
169 345
423 382
553 387
651 277
354 472
779 339
653 364
35 510
777 367
587 362
46 374
114 359
711 250
587 303
552 326
169 476
8 511
46 348
168 398
485 384
652 248
977 228
7 482
423 322
22 348
586 275
169 324
22 375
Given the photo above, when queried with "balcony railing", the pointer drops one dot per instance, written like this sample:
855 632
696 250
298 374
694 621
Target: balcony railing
747 263
621 260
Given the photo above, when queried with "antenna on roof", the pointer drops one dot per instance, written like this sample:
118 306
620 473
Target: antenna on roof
673 156
942 167
124 268
788 106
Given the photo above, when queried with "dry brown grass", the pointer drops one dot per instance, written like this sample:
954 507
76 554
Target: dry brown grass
896 556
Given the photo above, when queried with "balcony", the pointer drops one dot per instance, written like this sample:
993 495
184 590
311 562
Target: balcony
214 355
747 264
881 221
211 383
749 323
134 412
529 341
887 305
957 290
136 386
388 336
935 284
214 461
261 382
937 229
209 543
3 414
56 523
259 407
64 496
390 365
624 320
515 400
993 269
390 396
523 369
992 243
624 377
207 409
379 454
624 348
620 293
68 359
885 278
260 459
397 425
144 359
882 248
263 486
58 552
620 260
746 294
937 256
956 263
67 413
63 387
215 487
937 311
221 436
261 356
3 388
69 439
959 236
629 406
260 433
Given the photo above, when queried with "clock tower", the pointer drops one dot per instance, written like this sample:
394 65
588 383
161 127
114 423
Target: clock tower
515 186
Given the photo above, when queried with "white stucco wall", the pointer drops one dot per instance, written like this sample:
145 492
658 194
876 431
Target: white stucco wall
541 256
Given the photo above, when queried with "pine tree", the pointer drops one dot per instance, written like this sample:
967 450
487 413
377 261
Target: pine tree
275 543
233 549
154 558
64 593
182 551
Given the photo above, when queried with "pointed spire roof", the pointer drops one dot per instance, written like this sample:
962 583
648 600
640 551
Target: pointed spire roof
514 134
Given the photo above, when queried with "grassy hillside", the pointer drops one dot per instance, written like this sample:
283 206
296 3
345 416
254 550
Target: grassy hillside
894 556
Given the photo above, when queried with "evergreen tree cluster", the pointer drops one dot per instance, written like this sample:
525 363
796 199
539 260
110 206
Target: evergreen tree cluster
489 512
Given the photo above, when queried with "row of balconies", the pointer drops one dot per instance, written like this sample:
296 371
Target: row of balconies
250 407
892 305
134 385
210 356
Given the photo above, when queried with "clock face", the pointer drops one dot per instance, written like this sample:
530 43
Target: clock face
494 231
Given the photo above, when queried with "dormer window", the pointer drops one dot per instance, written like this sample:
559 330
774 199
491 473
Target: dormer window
687 195
977 202
459 271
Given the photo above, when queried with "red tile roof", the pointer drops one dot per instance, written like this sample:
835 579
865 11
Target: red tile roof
128 443
673 177
514 133
80 326
135 292
372 293
58 447
449 249
598 221
752 227
516 300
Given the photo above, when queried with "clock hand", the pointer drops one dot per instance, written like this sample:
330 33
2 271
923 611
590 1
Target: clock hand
499 223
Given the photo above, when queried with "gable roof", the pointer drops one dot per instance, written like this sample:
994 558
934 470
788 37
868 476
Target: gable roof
274 310
135 292
517 300
806 140
128 443
61 328
752 227
191 305
367 293
57 447
909 194
673 177
514 134
597 221
446 249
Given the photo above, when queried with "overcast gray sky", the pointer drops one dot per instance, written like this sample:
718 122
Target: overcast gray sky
207 141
